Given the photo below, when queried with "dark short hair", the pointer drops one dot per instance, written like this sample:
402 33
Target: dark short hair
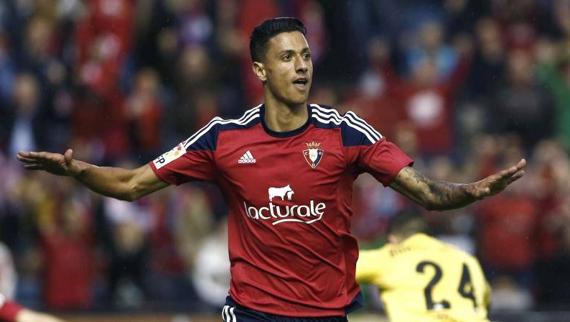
267 30
407 222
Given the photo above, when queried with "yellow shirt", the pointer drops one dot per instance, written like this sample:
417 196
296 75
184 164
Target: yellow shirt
424 279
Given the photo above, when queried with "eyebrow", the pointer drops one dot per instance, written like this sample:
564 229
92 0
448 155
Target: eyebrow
289 51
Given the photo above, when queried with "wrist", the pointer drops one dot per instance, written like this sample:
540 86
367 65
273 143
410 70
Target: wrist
76 168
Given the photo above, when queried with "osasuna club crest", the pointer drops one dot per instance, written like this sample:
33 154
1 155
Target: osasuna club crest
313 154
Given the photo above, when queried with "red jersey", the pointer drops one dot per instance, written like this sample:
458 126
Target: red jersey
8 310
289 195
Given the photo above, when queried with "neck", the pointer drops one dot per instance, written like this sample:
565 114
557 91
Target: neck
281 117
399 239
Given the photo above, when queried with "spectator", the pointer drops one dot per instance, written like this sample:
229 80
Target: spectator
67 246
432 48
196 102
144 111
129 250
520 105
428 103
554 71
22 123
7 71
212 267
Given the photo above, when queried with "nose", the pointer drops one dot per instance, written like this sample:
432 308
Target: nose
301 66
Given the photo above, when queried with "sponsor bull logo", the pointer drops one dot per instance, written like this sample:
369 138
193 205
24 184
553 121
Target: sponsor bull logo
282 192
306 214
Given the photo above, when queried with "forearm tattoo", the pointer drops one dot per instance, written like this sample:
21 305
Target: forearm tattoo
432 194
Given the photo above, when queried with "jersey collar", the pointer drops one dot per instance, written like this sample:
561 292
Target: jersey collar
287 133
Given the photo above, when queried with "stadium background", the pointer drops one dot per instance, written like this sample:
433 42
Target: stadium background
465 87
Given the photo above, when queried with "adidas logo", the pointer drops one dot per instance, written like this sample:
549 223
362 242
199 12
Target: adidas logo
246 158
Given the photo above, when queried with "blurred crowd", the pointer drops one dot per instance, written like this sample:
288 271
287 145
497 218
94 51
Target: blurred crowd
465 87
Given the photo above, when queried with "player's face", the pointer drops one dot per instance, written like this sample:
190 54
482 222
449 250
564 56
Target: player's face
287 69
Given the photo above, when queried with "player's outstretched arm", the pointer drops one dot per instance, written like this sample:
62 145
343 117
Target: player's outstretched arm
124 184
26 315
441 195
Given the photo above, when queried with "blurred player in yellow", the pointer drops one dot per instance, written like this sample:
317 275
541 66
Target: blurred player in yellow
422 278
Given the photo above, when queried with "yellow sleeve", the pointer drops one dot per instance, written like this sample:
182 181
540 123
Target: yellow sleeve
368 266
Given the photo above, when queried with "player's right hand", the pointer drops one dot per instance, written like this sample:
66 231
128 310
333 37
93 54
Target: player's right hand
497 182
55 163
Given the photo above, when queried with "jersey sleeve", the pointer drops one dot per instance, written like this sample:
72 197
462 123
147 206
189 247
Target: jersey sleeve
371 152
191 160
383 160
8 309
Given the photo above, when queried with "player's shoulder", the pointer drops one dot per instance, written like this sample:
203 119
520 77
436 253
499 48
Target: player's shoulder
206 137
466 257
452 247
437 248
249 118
328 116
425 244
372 254
394 251
455 252
355 130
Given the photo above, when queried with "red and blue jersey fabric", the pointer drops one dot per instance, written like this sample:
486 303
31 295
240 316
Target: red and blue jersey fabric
289 195
8 309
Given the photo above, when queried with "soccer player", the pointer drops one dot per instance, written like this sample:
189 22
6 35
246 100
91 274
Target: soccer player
12 312
286 169
422 278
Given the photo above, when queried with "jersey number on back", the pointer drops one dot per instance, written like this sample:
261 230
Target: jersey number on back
465 288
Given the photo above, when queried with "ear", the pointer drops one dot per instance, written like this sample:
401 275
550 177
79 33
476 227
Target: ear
259 71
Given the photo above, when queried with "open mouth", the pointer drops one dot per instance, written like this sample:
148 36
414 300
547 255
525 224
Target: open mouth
301 82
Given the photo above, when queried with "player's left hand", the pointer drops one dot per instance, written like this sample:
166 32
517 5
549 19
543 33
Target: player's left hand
497 182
